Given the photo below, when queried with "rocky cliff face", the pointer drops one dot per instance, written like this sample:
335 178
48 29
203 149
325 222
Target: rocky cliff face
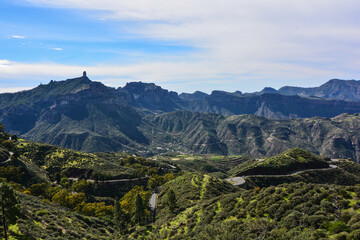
150 96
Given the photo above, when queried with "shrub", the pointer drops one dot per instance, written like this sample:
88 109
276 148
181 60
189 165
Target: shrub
8 144
337 227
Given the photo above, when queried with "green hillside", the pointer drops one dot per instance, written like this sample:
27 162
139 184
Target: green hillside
40 220
215 165
287 162
337 176
67 194
288 211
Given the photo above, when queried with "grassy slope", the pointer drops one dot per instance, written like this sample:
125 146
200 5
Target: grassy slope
190 189
322 176
45 221
285 163
288 211
208 207
54 158
4 154
215 165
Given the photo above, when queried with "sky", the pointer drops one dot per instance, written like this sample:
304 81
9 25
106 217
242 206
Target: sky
183 46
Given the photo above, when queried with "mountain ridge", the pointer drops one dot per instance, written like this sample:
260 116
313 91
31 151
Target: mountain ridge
142 117
348 90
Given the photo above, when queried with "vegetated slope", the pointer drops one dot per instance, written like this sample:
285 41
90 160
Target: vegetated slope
287 162
336 176
75 113
215 165
190 189
110 174
205 207
288 211
66 194
44 221
333 89
256 136
4 154
297 165
56 160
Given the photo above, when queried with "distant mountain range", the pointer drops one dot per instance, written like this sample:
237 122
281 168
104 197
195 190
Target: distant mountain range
85 115
347 90
333 89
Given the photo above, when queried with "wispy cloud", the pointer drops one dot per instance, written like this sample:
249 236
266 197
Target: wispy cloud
248 44
57 49
13 89
4 63
17 36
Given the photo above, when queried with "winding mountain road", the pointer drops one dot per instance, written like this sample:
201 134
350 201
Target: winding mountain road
152 201
113 181
294 173
11 153
237 181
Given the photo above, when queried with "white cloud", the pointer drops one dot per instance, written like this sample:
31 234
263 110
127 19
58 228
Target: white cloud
4 62
256 41
13 89
17 36
57 49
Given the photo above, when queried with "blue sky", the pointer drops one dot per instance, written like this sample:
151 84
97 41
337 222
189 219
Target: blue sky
180 45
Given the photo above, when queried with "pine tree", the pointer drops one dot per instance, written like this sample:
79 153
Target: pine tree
9 206
139 210
171 201
119 216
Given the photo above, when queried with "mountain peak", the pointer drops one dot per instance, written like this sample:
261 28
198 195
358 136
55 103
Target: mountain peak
268 90
71 85
82 80
197 95
151 96
341 82
138 87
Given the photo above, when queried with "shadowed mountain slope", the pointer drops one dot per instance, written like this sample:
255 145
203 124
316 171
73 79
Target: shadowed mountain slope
256 136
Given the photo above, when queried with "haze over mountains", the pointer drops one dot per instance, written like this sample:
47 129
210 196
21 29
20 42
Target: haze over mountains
85 115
